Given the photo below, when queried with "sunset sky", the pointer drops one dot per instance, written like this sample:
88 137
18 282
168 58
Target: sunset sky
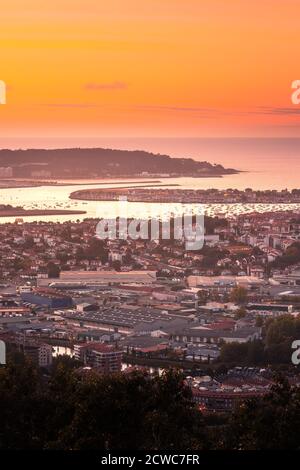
133 68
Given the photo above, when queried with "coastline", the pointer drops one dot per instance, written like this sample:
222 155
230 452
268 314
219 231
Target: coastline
14 183
24 183
169 196
39 212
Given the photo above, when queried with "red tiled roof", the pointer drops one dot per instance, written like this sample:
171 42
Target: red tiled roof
224 325
155 348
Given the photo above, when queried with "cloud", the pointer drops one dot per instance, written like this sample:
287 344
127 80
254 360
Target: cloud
180 108
199 111
106 86
281 111
262 110
277 111
70 105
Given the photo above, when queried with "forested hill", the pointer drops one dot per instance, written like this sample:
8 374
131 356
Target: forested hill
94 162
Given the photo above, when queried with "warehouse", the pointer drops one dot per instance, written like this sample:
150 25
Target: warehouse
88 278
48 298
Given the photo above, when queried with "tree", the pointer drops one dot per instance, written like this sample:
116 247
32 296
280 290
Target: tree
96 250
62 256
53 270
79 254
128 257
239 295
268 423
66 233
240 313
103 404
250 353
290 257
20 411
116 265
233 352
85 410
280 333
255 352
29 242
202 296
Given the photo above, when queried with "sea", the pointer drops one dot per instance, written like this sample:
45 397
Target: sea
264 163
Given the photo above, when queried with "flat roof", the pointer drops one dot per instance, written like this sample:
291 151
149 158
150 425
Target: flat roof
99 274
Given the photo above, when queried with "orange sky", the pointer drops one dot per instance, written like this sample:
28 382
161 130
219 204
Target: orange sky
149 68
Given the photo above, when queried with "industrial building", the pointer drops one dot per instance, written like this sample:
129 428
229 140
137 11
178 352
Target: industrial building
14 311
94 278
224 282
267 309
122 320
204 335
48 298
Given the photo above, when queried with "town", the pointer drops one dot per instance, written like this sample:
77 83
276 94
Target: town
225 315
204 196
